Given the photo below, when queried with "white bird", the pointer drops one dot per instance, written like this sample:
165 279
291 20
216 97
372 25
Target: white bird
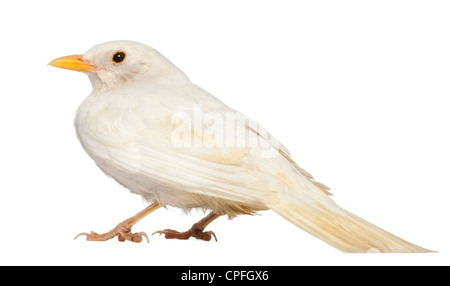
150 128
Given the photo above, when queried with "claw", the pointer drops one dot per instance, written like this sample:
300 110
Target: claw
141 235
162 231
213 234
159 231
82 233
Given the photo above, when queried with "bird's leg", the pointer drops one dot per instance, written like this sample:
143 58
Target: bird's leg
123 229
195 231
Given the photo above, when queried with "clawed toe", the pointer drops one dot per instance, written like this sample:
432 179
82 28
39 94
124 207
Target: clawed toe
173 234
134 237
193 232
93 236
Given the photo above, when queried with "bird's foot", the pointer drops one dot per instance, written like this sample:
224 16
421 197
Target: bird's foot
122 231
195 231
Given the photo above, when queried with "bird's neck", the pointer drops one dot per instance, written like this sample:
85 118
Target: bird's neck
106 84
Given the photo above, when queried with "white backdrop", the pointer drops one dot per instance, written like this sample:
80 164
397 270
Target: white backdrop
357 90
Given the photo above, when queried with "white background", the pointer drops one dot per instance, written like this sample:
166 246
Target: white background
359 91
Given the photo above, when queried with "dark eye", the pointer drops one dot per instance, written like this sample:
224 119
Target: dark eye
118 57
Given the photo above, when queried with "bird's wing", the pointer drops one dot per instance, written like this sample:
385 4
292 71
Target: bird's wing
247 174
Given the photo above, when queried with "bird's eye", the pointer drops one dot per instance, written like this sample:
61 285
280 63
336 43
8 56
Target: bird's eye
118 57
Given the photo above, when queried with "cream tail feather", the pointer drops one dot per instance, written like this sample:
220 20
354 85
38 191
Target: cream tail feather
340 228
306 203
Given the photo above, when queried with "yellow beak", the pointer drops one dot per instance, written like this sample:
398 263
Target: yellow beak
75 63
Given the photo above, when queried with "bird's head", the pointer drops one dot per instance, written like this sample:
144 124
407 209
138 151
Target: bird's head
118 63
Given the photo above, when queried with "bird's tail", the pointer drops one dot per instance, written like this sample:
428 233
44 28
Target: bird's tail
340 228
